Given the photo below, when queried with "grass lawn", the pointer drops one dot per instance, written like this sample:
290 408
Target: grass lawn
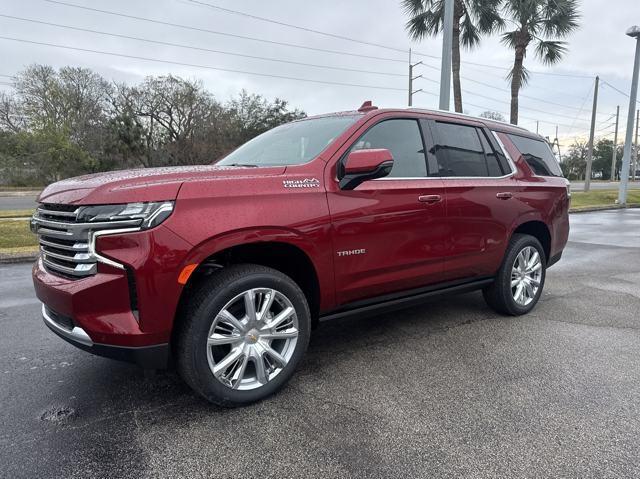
580 199
15 237
15 213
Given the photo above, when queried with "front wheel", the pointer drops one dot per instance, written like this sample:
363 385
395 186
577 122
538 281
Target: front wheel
519 282
242 334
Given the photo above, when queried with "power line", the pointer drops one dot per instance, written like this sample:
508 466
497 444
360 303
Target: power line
520 116
467 92
522 95
618 90
192 47
297 27
207 67
232 35
160 22
535 86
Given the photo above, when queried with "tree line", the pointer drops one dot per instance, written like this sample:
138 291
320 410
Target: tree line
67 122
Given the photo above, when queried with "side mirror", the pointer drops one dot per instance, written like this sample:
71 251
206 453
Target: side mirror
363 165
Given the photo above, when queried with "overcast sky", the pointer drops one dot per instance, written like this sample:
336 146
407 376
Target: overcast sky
599 47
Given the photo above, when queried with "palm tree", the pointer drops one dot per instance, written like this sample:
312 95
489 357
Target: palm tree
471 19
540 22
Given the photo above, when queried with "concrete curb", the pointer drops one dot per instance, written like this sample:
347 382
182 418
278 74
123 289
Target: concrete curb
587 209
11 258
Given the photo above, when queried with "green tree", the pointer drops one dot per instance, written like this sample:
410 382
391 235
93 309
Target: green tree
492 115
471 19
539 23
574 163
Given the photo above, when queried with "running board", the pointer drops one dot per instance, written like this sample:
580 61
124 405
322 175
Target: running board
391 302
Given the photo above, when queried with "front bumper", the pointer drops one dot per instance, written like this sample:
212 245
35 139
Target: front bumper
124 312
148 357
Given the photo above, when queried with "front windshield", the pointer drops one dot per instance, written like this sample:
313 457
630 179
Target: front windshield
290 144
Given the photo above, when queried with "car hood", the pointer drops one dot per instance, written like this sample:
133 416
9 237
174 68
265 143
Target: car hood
145 184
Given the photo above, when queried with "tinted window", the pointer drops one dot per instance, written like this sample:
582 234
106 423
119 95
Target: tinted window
459 151
538 155
493 163
403 139
291 144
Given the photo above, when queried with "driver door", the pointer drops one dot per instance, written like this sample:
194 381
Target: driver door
389 234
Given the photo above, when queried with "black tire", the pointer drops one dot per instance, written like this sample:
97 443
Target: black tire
196 318
499 295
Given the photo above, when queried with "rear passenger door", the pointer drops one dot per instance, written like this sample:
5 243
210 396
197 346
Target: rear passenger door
480 196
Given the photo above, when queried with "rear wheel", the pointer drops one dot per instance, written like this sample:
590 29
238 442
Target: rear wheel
243 333
519 282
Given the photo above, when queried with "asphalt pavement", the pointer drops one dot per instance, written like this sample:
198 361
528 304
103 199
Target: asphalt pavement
21 202
447 389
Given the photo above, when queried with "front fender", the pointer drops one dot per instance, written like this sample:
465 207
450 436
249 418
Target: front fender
316 247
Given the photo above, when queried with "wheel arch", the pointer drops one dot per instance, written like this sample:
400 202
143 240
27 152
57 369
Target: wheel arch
282 250
539 230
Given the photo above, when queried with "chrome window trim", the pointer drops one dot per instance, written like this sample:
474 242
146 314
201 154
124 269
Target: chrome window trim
512 163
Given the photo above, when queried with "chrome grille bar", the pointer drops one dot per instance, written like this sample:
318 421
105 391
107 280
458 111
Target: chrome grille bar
66 245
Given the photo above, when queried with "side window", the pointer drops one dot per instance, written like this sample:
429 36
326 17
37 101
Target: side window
493 163
459 151
538 155
403 139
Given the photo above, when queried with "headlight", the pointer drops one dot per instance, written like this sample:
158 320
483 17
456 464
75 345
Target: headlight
149 214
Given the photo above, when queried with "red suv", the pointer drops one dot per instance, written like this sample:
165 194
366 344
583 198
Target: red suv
223 270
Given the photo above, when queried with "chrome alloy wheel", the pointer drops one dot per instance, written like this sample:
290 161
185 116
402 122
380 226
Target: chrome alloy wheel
252 338
526 275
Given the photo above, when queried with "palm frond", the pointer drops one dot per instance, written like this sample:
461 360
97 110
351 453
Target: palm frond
509 39
486 14
550 52
560 17
415 7
469 33
524 76
425 24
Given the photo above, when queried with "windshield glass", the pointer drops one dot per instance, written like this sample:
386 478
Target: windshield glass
291 144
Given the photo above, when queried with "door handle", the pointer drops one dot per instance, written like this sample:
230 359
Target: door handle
429 198
504 195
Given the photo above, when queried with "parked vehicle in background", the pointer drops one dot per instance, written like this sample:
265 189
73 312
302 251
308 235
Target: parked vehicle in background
224 270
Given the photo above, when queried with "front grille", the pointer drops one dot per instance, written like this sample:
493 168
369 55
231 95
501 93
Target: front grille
65 243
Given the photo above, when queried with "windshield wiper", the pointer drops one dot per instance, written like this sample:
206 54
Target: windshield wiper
242 165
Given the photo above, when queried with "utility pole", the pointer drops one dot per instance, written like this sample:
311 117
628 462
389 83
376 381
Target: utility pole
633 32
558 145
635 156
411 78
614 157
447 44
537 127
587 175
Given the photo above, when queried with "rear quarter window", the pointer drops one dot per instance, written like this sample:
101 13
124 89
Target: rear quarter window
538 155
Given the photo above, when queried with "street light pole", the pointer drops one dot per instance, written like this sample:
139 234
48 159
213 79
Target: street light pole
592 132
633 32
635 150
447 45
